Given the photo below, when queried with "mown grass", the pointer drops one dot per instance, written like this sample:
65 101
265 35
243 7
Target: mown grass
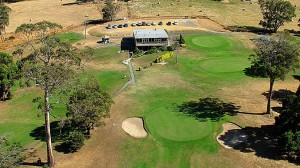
174 136
71 37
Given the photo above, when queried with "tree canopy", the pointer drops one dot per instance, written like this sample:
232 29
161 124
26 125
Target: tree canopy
4 18
110 10
10 153
8 74
51 65
88 104
276 13
288 124
274 58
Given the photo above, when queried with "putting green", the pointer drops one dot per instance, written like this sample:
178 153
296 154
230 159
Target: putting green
224 65
175 126
208 41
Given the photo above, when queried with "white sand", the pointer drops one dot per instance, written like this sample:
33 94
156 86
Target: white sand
134 127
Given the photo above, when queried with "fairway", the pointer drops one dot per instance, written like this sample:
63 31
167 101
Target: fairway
208 41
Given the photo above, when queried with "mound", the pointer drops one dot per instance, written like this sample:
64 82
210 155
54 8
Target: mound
231 136
134 127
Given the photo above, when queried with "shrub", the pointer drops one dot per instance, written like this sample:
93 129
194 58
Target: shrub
138 52
152 50
292 141
163 48
183 45
181 40
75 141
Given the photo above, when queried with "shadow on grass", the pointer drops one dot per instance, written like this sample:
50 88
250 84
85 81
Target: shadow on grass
253 29
255 72
72 3
58 133
263 142
297 77
279 95
96 21
208 109
34 164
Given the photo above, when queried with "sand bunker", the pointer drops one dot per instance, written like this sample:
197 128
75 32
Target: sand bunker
134 127
231 136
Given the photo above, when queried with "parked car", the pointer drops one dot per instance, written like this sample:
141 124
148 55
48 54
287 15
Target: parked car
175 23
109 26
133 24
125 25
169 23
160 23
143 23
153 24
139 24
120 26
115 26
148 23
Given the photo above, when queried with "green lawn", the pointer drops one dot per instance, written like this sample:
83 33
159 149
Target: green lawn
212 60
71 37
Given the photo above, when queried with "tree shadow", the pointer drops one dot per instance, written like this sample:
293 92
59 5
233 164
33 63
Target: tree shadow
255 71
295 32
58 133
263 141
11 1
95 21
279 95
208 109
297 77
252 29
72 3
34 164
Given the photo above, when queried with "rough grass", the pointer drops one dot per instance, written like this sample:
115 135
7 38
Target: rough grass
174 136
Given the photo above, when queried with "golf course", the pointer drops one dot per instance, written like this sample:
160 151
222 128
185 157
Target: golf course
209 62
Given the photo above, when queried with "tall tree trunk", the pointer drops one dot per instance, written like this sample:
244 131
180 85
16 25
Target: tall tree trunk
270 96
50 157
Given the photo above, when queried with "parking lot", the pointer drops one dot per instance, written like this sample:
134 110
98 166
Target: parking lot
125 27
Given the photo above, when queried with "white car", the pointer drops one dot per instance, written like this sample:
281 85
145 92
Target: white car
175 23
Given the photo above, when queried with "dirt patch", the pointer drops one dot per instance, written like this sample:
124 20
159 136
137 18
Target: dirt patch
235 138
134 127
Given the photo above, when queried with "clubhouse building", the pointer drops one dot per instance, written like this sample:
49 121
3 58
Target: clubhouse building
147 38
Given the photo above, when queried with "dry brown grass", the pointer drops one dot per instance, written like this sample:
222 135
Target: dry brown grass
235 159
248 95
50 10
228 14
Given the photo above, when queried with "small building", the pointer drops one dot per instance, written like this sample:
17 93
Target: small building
147 38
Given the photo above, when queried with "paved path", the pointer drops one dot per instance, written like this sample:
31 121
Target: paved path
131 81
